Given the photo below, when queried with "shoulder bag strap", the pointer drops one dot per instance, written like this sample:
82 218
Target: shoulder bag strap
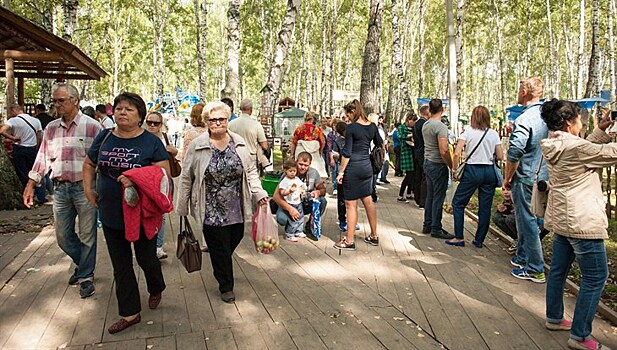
30 125
539 167
166 139
98 155
478 145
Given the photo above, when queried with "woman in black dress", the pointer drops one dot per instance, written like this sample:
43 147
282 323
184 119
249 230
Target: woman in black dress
356 173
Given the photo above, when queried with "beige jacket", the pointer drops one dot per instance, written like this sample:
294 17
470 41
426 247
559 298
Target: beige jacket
191 190
576 205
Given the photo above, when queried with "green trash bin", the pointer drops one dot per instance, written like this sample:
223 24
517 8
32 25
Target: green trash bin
270 181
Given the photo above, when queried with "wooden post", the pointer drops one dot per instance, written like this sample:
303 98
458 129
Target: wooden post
10 84
20 91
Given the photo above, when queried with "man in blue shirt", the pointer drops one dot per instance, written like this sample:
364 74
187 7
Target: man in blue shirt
396 143
524 157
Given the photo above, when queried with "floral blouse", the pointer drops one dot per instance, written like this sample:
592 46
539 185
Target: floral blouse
308 132
223 178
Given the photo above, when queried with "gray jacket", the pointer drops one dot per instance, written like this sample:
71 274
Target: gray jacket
191 190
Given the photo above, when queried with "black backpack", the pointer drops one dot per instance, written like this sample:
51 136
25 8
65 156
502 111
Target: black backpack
376 159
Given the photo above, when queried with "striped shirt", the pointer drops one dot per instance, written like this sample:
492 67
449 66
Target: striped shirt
64 148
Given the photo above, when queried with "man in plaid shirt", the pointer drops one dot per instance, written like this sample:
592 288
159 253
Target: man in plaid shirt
65 144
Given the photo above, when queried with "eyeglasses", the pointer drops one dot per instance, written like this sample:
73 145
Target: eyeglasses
217 120
153 123
60 100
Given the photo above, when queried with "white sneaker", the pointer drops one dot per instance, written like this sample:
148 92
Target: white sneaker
301 235
160 253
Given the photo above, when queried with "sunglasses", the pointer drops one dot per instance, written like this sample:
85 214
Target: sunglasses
60 100
153 123
217 120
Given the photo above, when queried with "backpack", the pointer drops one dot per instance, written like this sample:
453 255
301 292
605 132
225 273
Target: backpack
376 159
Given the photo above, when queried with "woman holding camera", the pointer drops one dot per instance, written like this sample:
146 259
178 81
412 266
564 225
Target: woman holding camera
576 214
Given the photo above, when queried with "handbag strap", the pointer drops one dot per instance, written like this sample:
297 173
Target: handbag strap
539 167
98 154
478 145
166 139
30 125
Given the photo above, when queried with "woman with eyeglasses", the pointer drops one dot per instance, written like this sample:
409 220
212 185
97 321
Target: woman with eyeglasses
220 171
154 124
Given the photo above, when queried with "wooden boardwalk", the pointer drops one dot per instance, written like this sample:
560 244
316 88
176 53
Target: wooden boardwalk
411 292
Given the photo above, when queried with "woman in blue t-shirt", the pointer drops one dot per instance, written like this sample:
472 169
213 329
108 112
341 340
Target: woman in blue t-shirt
114 151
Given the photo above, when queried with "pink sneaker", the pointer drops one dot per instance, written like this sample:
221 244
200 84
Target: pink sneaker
584 345
564 325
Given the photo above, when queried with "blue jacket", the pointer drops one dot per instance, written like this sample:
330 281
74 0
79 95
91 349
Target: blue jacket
395 141
528 130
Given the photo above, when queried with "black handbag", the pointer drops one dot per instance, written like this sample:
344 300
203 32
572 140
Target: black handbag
188 251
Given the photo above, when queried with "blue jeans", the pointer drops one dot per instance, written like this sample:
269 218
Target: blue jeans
384 170
283 219
482 178
529 247
437 175
294 226
334 173
160 236
69 203
591 257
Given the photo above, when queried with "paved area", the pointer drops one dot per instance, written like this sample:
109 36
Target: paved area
411 292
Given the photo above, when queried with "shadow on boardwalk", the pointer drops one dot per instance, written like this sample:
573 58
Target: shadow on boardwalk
411 292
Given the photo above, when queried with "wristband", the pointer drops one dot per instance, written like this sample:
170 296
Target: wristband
341 174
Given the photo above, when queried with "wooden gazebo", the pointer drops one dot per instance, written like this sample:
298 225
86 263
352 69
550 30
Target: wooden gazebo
29 51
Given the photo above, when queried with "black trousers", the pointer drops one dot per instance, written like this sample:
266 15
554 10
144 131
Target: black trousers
408 182
340 204
419 188
222 241
397 165
127 290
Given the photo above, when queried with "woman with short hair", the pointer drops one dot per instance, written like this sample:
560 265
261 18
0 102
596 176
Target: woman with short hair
219 170
129 114
480 174
199 127
576 215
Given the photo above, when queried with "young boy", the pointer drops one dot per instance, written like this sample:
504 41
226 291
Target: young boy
292 189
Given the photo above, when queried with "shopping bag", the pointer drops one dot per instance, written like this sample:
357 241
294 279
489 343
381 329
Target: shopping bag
264 230
188 250
316 218
450 196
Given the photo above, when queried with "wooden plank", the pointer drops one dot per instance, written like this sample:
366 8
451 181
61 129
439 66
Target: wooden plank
275 335
405 326
162 343
12 246
90 324
132 344
41 243
191 341
303 334
175 316
248 337
220 339
25 316
343 333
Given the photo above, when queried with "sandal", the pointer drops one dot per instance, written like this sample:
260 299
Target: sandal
123 324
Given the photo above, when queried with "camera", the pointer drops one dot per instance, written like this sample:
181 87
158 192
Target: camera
542 186
613 115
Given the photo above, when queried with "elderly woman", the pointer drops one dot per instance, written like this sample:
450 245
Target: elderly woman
309 137
140 149
154 124
199 127
220 171
576 214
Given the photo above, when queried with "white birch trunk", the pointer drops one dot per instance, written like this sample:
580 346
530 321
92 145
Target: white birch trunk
332 75
201 11
611 48
581 50
233 51
282 44
69 8
452 76
422 57
593 87
370 59
397 59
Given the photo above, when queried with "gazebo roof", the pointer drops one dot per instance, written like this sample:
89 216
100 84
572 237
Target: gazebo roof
39 54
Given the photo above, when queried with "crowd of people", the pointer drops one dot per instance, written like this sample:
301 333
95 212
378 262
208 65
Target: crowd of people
114 164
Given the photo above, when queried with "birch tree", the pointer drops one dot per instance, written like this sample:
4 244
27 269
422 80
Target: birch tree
581 50
611 43
452 76
69 8
201 27
233 50
594 60
370 59
397 59
282 44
